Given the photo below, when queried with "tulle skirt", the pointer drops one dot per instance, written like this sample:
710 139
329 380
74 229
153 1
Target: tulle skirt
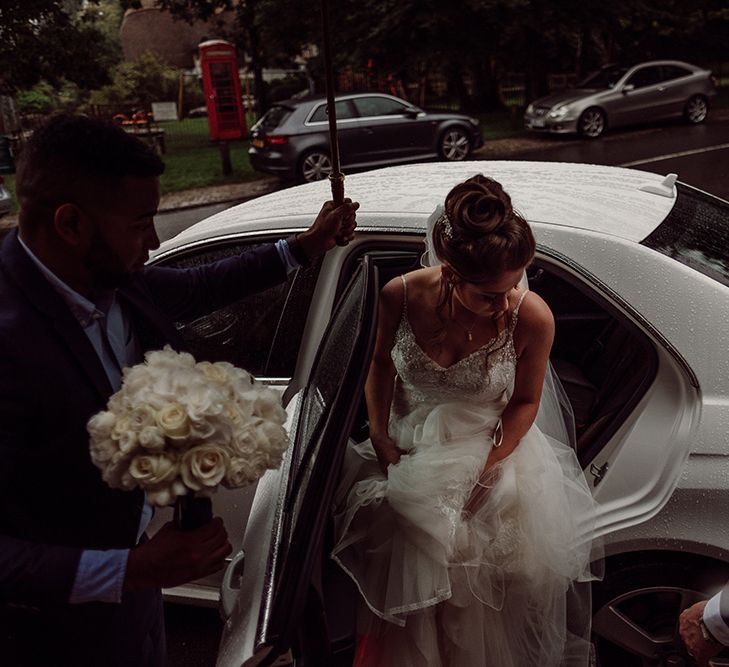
503 587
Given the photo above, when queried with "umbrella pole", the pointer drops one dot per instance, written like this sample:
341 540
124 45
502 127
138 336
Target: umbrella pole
336 178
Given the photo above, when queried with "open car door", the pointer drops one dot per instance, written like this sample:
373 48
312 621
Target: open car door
263 630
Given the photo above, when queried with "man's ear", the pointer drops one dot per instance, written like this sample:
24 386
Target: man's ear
71 224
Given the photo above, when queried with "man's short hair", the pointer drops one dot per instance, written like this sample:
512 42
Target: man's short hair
70 157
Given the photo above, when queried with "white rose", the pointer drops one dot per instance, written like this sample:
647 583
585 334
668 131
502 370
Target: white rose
116 473
268 406
152 438
101 425
206 401
203 466
214 372
166 494
102 451
168 358
174 422
239 473
142 416
150 470
124 435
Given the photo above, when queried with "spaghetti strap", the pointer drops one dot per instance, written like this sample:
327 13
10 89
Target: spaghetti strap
515 314
404 296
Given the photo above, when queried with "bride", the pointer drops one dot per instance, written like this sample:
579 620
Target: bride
465 527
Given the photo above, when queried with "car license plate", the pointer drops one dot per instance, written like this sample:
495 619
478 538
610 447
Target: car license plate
538 122
258 143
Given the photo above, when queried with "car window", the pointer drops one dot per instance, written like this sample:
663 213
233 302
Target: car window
261 332
673 72
696 233
343 107
647 76
379 106
275 117
604 78
324 419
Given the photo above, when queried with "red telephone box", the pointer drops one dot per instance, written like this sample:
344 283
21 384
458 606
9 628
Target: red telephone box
221 84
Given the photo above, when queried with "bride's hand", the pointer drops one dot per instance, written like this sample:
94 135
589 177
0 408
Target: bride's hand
481 492
387 452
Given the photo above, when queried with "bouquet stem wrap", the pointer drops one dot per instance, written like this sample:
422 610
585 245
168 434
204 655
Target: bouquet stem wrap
192 511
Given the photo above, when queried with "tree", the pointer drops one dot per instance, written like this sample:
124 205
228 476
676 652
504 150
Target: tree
139 83
245 35
51 40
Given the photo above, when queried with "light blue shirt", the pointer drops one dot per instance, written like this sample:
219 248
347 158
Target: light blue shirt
100 573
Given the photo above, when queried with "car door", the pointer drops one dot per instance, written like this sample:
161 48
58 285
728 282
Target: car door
276 597
677 83
644 100
391 131
261 333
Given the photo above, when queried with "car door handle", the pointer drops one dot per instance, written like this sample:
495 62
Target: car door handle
661 88
368 130
230 586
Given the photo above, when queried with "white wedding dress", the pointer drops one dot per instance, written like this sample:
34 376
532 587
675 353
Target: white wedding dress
441 589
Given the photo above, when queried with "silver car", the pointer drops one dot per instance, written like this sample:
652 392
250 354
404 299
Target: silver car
636 270
617 95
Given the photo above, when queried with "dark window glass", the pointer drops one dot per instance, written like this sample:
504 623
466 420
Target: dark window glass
261 332
674 72
648 76
696 233
344 110
605 78
379 106
274 117
333 360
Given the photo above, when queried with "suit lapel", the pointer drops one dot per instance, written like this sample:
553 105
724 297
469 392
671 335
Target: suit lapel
41 295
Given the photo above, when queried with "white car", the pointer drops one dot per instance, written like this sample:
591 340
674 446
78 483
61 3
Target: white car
636 271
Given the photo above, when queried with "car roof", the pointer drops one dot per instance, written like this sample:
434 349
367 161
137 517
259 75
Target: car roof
601 199
311 98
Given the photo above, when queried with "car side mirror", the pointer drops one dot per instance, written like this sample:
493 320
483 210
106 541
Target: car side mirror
628 87
411 112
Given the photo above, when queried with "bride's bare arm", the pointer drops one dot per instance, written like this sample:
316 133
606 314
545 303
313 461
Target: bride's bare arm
533 340
381 376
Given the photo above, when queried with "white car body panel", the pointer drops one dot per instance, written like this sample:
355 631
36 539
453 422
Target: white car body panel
561 194
667 463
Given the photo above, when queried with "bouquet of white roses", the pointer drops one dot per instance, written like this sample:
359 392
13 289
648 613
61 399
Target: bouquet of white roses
177 427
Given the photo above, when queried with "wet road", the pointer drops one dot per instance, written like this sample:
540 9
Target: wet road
699 154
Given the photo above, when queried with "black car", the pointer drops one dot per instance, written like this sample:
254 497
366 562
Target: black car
291 140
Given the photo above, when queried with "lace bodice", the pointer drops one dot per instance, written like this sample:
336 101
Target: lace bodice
486 376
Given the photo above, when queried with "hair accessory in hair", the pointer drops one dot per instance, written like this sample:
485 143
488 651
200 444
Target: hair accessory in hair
447 227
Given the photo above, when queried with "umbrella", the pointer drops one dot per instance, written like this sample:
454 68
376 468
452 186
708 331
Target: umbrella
336 178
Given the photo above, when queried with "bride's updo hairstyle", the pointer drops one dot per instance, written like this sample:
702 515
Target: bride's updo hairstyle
481 235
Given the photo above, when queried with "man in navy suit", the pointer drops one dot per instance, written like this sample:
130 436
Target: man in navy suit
79 580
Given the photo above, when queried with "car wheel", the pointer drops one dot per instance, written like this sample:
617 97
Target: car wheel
592 123
315 166
455 144
636 610
697 108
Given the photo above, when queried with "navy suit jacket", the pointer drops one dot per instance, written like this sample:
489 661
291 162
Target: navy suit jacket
53 502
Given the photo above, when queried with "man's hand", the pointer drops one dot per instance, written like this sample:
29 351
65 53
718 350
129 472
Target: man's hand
698 648
333 226
173 557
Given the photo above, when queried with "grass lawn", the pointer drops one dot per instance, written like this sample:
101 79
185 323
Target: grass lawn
193 161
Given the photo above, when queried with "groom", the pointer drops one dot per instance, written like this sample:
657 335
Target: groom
79 580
